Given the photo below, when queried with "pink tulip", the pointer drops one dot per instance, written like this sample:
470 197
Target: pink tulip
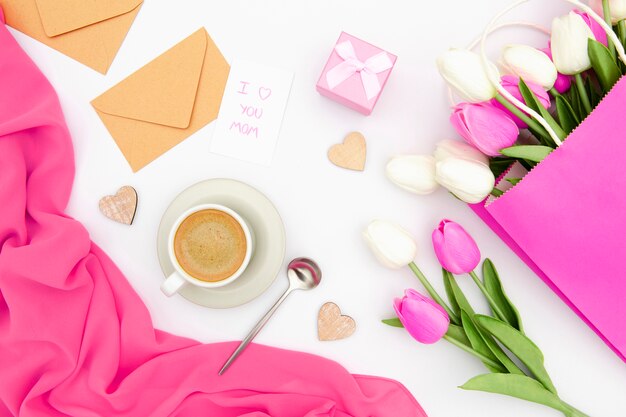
484 126
456 250
595 27
511 84
425 320
563 82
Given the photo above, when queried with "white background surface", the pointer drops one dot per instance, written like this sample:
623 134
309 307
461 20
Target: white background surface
325 208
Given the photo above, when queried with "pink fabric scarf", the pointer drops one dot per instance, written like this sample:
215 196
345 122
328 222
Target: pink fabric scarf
76 340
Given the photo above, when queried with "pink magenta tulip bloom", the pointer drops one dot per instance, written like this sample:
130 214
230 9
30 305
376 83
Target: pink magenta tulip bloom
425 320
455 248
595 27
511 84
563 82
484 126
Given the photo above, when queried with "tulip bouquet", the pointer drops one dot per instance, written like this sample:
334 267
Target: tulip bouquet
515 363
524 114
542 162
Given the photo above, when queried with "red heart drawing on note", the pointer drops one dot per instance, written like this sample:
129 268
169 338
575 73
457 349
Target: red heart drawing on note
264 93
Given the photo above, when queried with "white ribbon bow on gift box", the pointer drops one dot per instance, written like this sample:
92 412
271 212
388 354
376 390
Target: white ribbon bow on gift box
351 65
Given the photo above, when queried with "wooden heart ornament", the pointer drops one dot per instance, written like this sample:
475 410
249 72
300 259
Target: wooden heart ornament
351 153
120 207
331 325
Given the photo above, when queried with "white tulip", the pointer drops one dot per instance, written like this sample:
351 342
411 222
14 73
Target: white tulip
529 64
413 173
392 245
570 36
470 181
618 9
463 71
449 147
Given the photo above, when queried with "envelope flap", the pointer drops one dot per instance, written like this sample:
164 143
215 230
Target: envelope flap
62 16
163 91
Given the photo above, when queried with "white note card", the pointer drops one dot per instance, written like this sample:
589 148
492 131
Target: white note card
252 112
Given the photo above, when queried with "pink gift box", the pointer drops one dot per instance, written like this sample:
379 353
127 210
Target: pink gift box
356 73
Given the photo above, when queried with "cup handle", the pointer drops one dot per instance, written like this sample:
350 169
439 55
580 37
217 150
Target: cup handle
172 284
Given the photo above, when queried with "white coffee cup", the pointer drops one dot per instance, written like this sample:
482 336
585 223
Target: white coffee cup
180 277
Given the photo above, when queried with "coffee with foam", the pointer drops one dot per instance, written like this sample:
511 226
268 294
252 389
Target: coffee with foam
210 245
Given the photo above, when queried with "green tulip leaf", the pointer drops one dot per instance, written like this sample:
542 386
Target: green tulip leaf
514 181
455 294
566 114
393 322
535 153
499 353
487 340
458 333
594 95
542 136
577 105
499 165
496 290
473 335
603 64
480 340
520 345
530 97
477 341
517 386
447 278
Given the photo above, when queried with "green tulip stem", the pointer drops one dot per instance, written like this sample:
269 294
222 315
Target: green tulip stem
606 11
497 192
554 93
621 29
532 123
471 351
433 293
583 92
492 303
574 412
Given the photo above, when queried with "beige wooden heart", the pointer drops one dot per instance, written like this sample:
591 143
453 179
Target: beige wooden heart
351 153
331 325
120 207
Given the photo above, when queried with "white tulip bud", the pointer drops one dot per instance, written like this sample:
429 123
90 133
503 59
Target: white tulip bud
569 41
470 181
617 7
529 64
413 173
392 245
463 71
449 147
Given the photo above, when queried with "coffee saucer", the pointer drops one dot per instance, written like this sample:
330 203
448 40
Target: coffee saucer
269 233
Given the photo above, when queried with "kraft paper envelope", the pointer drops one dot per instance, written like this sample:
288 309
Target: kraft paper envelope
90 32
166 101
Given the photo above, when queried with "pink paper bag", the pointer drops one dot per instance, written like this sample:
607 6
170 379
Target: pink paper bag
567 220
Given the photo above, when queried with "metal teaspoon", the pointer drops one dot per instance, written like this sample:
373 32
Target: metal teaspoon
303 274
